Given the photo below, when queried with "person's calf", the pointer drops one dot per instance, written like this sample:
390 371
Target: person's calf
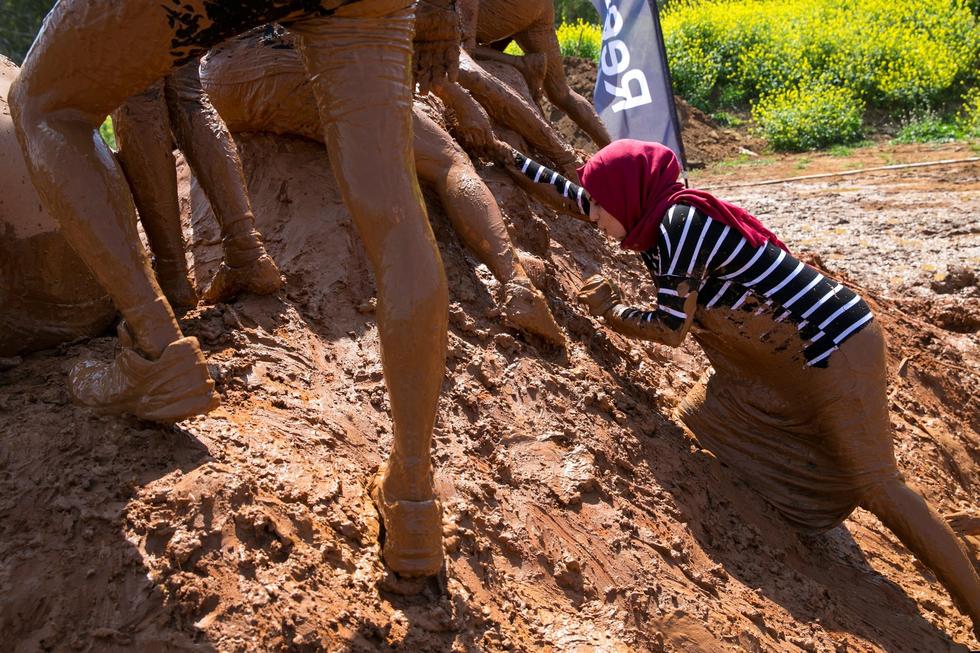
174 279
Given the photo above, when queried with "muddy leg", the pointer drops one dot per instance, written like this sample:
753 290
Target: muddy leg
57 110
145 143
204 139
468 202
108 241
510 109
476 218
920 529
541 38
368 130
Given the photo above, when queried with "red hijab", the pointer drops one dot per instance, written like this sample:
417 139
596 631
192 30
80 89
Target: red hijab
636 182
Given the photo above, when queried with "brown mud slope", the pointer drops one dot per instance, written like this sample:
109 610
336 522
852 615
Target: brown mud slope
579 515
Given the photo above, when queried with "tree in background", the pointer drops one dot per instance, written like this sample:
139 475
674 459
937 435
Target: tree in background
570 11
19 22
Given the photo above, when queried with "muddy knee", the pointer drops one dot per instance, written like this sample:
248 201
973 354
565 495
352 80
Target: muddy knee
25 109
31 109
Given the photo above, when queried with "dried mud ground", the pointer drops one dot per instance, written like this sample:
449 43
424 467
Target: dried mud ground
579 515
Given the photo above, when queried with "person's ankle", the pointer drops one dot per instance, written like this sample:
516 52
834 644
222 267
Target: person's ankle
241 250
411 481
152 327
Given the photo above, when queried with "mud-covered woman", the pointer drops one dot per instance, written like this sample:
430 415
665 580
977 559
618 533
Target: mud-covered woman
795 399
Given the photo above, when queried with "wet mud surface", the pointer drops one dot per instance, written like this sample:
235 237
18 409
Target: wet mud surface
579 516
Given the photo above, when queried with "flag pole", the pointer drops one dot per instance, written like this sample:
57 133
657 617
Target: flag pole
670 86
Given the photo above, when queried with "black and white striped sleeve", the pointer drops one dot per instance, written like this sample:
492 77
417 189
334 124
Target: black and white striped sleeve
540 174
676 263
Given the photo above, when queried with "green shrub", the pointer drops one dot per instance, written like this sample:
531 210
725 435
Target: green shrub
514 49
968 118
580 39
902 58
19 23
569 10
927 129
696 72
806 118
726 119
108 133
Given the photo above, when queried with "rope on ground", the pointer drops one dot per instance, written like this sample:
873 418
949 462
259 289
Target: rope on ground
845 173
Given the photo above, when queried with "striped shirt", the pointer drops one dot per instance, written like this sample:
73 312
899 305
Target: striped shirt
727 271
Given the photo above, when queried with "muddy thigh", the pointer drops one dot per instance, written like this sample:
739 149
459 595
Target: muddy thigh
499 19
435 150
854 410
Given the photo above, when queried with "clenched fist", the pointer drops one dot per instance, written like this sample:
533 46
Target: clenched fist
599 295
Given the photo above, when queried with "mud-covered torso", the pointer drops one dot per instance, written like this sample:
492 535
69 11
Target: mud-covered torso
757 306
746 344
796 397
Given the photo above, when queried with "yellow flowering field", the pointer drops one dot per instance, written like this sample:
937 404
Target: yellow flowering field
809 69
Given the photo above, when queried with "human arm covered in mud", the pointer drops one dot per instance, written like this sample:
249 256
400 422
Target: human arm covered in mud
471 124
667 324
436 45
565 195
510 109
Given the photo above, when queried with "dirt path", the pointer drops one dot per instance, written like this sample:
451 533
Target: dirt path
579 515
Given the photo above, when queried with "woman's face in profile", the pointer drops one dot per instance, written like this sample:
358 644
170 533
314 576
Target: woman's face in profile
606 222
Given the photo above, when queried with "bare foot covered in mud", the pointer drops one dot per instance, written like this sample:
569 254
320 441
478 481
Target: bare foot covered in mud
535 268
526 308
261 277
411 537
173 387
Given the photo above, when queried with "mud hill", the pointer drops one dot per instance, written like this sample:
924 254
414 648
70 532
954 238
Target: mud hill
579 515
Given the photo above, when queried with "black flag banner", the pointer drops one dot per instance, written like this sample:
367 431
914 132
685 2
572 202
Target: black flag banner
633 92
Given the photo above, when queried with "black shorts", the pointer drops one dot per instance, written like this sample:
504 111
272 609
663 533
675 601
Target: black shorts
196 33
